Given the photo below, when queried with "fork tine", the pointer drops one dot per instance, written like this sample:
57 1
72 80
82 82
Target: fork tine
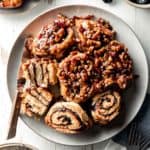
136 135
132 134
139 140
143 141
145 144
145 138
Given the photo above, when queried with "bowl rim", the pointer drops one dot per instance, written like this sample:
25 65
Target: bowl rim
4 145
77 5
146 6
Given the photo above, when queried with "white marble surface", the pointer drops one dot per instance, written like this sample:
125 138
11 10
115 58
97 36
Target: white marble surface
11 26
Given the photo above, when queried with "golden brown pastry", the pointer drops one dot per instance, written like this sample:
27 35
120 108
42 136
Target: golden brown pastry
40 72
35 101
74 76
113 66
78 60
54 39
105 107
10 3
67 117
92 34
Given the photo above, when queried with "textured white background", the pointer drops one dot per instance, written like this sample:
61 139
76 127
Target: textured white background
11 26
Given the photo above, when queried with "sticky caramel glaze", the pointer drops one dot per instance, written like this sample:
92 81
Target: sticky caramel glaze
54 39
92 34
115 65
74 74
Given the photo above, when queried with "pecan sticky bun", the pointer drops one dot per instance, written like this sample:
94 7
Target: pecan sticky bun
67 117
10 3
105 107
40 72
35 101
54 39
74 76
114 64
92 34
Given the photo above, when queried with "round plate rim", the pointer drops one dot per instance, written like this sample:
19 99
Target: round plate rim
79 5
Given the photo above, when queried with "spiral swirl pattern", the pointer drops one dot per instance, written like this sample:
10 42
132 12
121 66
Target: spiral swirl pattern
67 117
106 107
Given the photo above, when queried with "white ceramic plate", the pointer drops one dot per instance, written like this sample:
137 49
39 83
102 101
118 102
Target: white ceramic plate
138 5
133 98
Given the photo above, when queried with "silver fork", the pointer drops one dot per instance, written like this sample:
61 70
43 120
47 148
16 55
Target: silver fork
135 140
134 137
145 143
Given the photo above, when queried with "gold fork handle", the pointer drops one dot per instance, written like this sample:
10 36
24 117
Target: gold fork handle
12 126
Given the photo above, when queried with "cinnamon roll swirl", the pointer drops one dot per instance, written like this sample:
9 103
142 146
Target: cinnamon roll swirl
67 117
105 107
115 65
93 34
54 39
74 75
35 101
40 72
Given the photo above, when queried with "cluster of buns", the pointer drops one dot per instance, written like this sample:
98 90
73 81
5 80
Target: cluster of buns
74 73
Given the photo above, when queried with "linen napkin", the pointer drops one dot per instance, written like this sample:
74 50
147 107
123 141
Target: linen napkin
143 119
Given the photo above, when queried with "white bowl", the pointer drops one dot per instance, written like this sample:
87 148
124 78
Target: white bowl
138 5
15 146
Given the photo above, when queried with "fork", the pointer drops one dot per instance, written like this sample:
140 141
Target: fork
145 143
134 137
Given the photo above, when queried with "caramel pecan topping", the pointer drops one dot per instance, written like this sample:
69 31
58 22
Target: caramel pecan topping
81 75
74 76
92 34
115 65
